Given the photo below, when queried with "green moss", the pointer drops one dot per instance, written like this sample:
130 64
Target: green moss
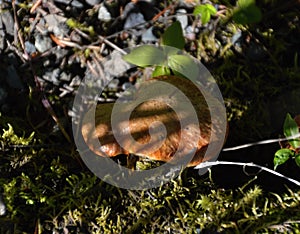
10 138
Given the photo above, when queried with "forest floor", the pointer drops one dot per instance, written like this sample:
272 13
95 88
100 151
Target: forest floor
48 47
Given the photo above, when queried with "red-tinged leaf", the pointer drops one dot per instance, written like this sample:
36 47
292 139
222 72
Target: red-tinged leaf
290 129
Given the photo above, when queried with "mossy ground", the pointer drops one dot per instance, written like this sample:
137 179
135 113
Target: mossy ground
47 187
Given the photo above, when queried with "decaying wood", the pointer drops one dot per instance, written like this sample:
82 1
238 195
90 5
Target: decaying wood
153 111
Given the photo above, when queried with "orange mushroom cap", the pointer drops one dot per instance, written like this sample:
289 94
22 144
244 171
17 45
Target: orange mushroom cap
151 111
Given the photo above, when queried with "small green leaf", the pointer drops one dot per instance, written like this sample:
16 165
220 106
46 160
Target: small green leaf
297 160
247 12
173 36
245 3
205 17
185 65
205 10
145 55
281 156
211 9
168 50
205 7
160 71
290 129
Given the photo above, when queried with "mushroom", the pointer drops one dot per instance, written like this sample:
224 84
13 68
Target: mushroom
147 136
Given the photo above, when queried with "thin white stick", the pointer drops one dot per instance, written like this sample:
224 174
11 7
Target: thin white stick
112 45
209 164
261 143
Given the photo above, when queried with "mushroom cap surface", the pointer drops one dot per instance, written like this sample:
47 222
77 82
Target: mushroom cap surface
148 137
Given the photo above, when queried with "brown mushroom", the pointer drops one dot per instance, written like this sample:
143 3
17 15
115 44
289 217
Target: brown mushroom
160 108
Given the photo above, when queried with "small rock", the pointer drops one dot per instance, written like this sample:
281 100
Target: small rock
127 85
115 65
42 43
129 8
54 19
61 30
29 47
41 27
77 4
66 2
113 84
52 76
65 77
190 33
46 63
237 41
8 22
6 27
103 14
236 38
2 36
75 81
56 24
148 36
60 53
187 4
133 20
2 206
92 2
182 18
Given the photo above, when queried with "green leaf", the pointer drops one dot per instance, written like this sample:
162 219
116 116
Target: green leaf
173 36
205 17
281 156
160 71
290 128
297 160
146 55
168 50
247 12
245 3
185 65
205 10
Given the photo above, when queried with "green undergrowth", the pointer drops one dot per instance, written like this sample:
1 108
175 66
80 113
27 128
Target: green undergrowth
46 187
51 191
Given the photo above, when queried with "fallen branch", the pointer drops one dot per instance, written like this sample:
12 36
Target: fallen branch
209 164
261 143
